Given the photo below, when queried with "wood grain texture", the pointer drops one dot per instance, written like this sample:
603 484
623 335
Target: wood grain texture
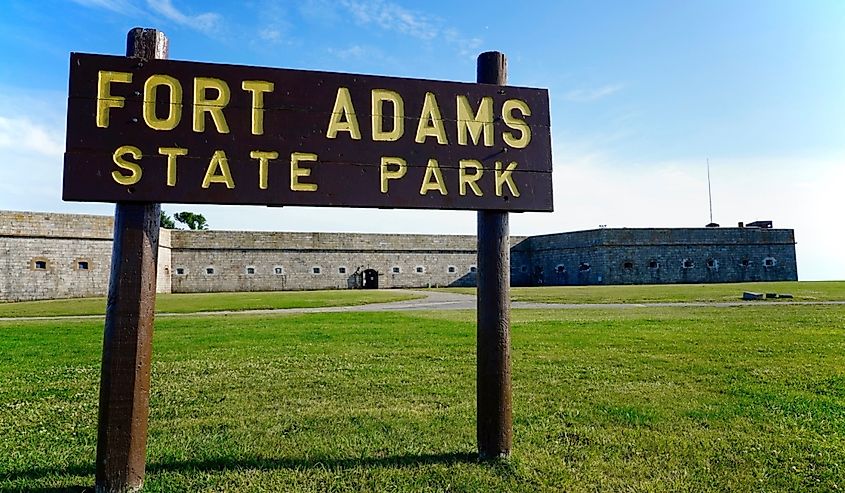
127 339
494 426
296 117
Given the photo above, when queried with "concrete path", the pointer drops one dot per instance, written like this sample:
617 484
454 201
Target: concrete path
430 300
437 300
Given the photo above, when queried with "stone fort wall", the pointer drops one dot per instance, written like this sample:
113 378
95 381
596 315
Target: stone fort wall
206 261
48 255
656 256
53 255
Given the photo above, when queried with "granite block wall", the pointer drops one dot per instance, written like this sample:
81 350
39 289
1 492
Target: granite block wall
164 271
53 255
47 255
50 255
658 256
208 261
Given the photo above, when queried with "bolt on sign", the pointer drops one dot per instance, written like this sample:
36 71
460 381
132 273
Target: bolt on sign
188 132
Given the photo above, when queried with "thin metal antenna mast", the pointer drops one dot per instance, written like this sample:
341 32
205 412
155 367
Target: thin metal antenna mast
709 192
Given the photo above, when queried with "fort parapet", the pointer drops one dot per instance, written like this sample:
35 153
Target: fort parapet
49 255
656 256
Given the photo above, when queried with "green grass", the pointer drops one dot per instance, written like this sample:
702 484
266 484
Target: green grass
209 302
697 399
672 293
200 302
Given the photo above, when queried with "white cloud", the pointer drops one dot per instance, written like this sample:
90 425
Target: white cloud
124 7
589 95
334 219
395 18
392 17
31 149
22 135
323 12
272 24
466 46
270 35
353 52
800 193
205 22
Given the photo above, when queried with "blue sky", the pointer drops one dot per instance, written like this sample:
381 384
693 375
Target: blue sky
643 93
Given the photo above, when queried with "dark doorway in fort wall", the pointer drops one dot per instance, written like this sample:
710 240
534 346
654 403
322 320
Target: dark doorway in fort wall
369 279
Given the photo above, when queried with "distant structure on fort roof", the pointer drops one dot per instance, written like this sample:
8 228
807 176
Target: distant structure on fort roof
48 255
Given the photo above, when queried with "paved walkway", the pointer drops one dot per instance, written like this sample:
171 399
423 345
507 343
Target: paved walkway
437 300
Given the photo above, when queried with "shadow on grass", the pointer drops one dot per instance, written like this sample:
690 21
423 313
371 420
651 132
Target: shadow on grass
236 463
227 463
66 489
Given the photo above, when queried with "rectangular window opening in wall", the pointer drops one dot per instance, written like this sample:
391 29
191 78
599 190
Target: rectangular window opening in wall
180 271
250 270
209 271
452 269
82 265
473 268
420 269
396 269
278 270
39 265
316 269
341 270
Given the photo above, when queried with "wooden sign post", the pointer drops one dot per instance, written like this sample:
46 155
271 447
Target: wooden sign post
128 336
144 130
493 365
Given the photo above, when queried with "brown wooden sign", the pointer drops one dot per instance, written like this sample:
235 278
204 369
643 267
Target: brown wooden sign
187 132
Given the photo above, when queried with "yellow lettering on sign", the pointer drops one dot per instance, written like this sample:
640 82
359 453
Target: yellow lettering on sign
174 112
516 123
221 162
464 179
431 124
263 158
296 171
391 174
475 123
343 117
105 99
171 153
433 179
214 106
506 178
257 88
122 163
379 96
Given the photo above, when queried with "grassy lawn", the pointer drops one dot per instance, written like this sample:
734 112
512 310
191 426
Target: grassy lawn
209 302
671 293
644 399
